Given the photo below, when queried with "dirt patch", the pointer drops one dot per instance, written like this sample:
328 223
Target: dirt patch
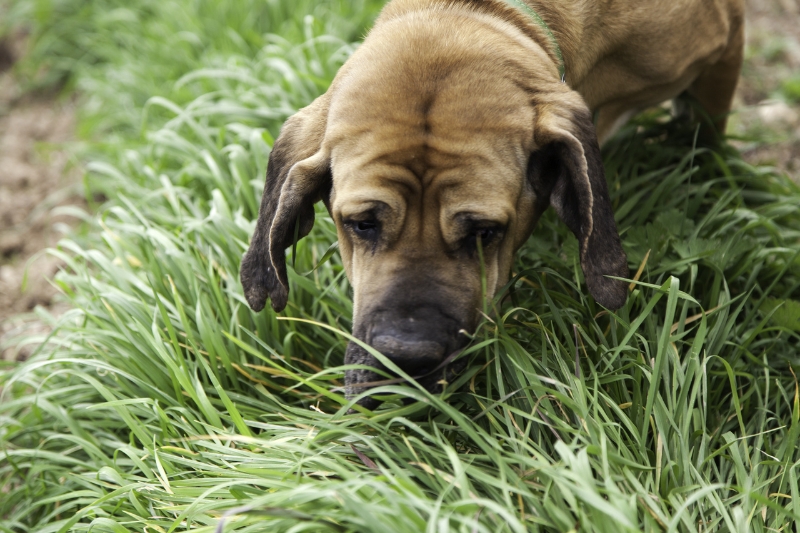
36 176
767 105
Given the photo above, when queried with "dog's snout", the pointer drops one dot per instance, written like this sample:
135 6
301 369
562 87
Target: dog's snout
414 356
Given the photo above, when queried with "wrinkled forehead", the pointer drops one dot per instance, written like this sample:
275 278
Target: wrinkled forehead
406 177
455 111
453 148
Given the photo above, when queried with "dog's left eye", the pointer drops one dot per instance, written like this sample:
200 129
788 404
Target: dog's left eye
485 235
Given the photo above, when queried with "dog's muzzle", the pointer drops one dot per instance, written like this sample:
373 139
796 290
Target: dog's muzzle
422 346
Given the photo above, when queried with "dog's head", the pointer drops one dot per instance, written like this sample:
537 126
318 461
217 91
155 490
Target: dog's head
436 149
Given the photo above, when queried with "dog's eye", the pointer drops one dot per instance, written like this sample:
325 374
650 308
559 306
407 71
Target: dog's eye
365 229
486 236
365 226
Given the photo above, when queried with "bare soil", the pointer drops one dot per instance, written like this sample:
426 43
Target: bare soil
37 175
762 109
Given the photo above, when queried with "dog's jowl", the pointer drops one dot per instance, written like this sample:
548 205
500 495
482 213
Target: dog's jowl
450 130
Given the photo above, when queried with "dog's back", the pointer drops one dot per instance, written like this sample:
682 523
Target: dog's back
625 55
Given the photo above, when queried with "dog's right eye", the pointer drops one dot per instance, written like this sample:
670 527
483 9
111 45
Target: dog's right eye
365 229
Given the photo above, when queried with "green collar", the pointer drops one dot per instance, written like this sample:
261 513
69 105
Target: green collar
542 24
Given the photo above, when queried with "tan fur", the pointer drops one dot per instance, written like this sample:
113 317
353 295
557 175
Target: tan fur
624 55
453 110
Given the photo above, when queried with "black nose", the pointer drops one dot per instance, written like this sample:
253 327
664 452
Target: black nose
415 357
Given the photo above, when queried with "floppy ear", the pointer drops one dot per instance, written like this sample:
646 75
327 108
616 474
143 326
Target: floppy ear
568 170
298 175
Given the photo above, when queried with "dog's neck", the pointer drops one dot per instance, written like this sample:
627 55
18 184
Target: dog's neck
543 24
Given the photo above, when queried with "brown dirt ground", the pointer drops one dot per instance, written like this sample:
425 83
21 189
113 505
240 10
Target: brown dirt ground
772 56
36 173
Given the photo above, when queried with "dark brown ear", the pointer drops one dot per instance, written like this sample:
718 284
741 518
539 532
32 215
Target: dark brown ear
298 175
568 170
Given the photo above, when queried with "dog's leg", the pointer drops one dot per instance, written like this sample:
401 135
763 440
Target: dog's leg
713 89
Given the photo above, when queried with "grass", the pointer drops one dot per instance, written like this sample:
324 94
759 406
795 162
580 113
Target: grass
791 89
162 403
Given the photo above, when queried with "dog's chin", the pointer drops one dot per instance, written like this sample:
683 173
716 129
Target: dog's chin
357 381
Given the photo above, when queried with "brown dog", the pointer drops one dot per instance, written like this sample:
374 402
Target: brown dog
447 134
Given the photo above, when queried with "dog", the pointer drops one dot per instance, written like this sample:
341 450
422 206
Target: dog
450 130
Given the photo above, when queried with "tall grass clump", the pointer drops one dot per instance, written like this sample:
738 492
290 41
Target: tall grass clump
162 403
